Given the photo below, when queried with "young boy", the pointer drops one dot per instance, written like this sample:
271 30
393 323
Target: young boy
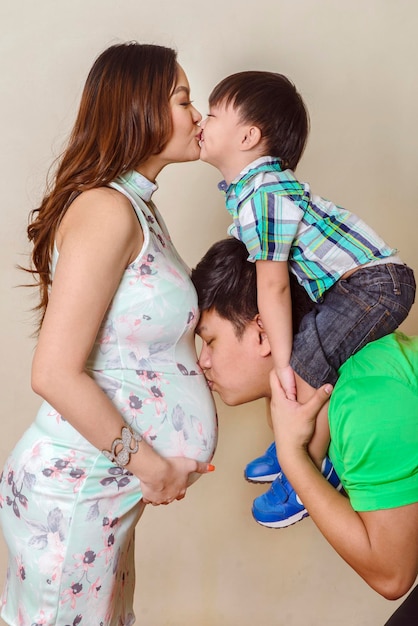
255 134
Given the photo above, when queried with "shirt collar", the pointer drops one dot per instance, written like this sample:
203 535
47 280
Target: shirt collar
259 165
141 185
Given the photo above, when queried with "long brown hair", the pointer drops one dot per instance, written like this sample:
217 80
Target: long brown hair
124 118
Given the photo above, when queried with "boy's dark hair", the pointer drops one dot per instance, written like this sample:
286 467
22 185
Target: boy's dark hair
271 102
227 283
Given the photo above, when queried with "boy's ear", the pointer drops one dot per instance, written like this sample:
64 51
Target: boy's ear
251 138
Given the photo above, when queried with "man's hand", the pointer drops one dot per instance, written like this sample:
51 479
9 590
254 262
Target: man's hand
293 422
381 545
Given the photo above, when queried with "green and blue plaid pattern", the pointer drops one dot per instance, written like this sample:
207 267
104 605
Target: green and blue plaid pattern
278 218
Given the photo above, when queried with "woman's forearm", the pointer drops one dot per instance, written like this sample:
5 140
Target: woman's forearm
82 403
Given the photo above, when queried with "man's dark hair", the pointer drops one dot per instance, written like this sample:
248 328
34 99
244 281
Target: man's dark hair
226 282
271 102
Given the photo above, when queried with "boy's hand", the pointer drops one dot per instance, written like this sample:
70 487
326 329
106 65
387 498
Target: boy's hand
287 380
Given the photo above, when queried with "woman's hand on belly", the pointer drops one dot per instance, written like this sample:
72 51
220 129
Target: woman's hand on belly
171 481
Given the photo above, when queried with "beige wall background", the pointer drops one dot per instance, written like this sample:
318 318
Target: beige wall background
204 561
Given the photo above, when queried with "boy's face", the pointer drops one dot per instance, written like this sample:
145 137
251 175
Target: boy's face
222 133
237 368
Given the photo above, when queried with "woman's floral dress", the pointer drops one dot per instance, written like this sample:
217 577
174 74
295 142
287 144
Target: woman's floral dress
67 513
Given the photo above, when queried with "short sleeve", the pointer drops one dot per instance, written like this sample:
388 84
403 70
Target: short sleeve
268 224
374 441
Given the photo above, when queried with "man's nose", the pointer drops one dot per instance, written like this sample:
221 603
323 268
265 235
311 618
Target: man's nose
204 360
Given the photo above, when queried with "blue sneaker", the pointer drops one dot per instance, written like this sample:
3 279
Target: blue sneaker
280 506
265 468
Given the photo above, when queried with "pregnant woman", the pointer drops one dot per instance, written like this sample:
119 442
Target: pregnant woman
127 417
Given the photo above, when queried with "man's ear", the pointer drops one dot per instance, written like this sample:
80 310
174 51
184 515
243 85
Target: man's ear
251 138
262 335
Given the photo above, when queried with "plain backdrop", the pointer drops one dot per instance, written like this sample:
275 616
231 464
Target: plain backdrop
204 561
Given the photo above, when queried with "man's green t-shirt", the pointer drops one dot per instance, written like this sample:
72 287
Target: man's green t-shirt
373 418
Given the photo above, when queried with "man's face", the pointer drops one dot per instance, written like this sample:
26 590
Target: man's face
237 368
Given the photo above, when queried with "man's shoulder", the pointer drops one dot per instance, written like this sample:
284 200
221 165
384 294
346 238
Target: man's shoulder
394 356
378 383
373 417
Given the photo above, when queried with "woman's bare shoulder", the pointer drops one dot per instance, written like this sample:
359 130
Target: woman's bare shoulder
102 210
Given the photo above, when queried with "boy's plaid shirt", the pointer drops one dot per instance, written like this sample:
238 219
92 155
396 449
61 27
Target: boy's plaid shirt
278 218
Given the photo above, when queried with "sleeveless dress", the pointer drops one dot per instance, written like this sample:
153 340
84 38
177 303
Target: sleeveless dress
67 513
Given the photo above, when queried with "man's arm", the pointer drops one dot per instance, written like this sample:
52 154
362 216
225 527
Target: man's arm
381 546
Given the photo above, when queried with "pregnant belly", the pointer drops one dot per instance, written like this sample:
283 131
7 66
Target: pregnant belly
174 413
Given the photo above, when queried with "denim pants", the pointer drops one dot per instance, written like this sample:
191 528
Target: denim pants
369 304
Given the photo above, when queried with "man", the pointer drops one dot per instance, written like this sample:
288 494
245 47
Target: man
373 417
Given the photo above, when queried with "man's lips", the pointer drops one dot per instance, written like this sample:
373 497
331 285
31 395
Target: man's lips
209 382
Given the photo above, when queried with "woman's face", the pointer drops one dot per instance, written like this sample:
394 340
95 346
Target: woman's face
183 144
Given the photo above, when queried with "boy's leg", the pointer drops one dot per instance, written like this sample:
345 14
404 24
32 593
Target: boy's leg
368 305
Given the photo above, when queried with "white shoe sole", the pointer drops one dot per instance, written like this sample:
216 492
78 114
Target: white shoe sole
269 478
285 522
